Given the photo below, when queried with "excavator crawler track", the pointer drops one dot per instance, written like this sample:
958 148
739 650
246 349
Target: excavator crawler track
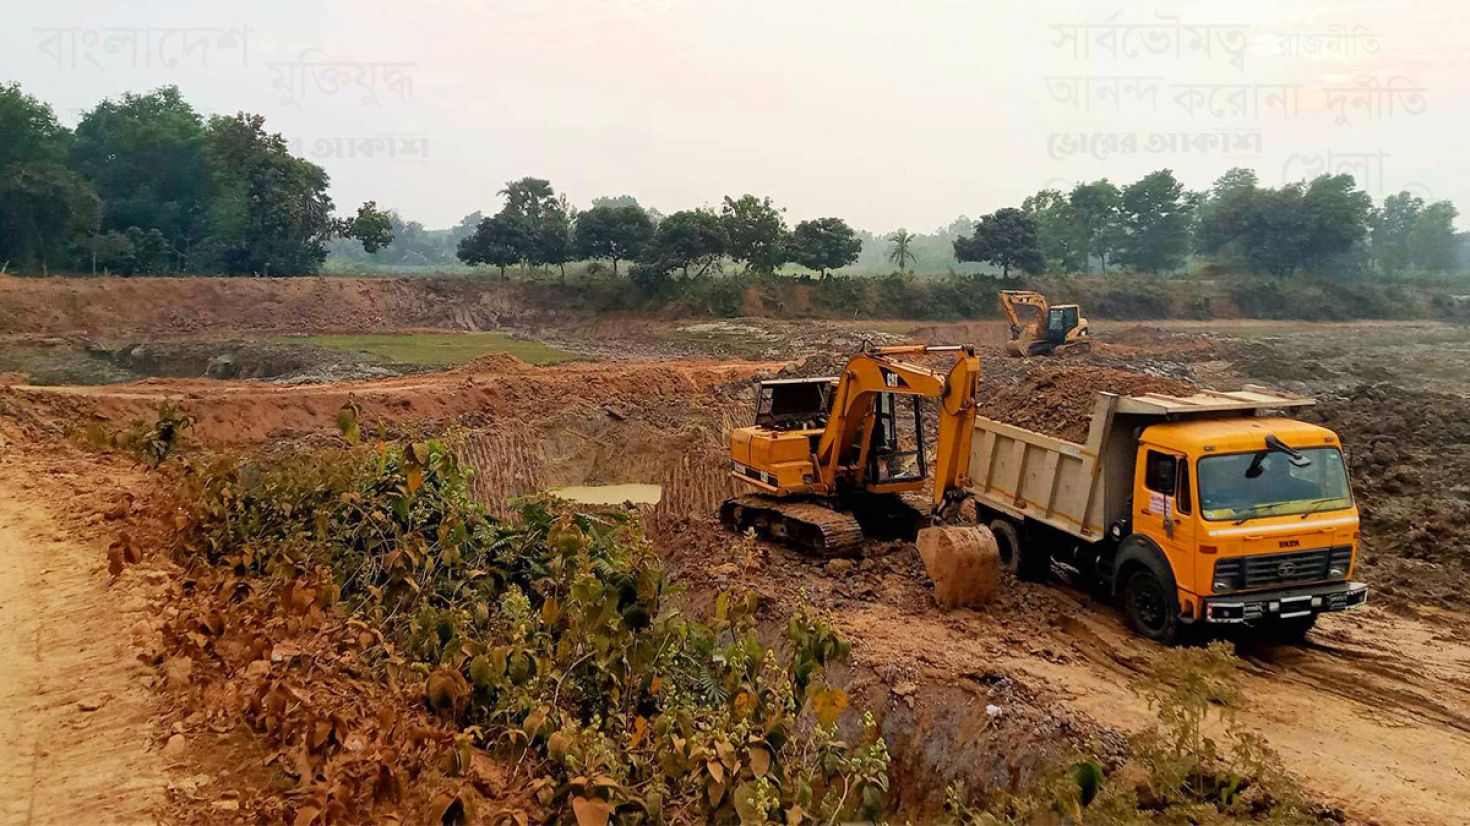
808 527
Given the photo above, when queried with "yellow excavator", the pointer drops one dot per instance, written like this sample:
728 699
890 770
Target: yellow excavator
1047 330
837 458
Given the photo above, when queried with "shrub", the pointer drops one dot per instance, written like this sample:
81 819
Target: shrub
550 637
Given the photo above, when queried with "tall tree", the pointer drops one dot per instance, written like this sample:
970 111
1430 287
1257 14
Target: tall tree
43 208
1059 230
1311 225
1005 238
1098 209
43 204
1337 217
145 156
1391 228
371 226
899 254
825 244
551 237
30 129
271 213
499 240
545 221
1433 238
755 233
614 232
1156 220
688 238
1225 212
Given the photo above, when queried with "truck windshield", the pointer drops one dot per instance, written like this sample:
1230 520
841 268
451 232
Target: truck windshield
1230 489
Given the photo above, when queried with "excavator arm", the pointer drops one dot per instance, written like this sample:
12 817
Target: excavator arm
1011 299
842 452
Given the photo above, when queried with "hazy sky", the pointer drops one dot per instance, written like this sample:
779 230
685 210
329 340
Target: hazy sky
886 113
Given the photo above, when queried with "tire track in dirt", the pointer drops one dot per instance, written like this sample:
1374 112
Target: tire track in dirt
75 711
1370 713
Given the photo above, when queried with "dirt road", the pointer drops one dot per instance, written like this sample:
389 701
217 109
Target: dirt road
76 742
1373 713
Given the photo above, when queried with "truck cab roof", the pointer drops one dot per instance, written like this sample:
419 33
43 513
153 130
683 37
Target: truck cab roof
1235 434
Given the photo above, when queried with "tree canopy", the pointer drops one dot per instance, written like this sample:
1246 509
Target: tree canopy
1006 238
824 244
145 185
613 232
1156 219
755 233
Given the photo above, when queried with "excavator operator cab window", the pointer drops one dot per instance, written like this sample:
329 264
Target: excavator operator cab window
896 453
1059 322
794 404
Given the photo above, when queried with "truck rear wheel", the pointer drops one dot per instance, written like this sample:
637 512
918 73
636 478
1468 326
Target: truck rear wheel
1027 561
1151 609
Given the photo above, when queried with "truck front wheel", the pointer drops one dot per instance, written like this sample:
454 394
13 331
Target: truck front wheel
1151 609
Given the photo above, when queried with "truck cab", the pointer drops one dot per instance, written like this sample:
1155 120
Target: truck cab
1254 517
1212 508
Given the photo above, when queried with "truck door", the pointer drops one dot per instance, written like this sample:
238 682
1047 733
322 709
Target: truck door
1164 510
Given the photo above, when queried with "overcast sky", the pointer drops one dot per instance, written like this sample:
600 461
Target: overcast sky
885 113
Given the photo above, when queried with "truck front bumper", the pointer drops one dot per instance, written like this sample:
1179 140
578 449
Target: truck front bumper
1284 604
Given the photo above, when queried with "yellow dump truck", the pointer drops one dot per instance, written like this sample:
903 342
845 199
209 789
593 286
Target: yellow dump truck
1192 510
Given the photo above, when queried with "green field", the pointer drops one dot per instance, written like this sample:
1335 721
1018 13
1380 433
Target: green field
440 349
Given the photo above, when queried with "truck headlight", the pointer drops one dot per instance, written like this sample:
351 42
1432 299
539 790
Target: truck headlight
1221 585
1336 572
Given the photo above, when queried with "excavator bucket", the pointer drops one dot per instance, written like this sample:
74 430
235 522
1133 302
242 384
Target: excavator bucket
963 562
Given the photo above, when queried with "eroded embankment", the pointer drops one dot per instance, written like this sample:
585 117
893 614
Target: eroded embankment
117 307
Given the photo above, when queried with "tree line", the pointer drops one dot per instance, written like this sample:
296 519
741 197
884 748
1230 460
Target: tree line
1323 226
537 227
144 184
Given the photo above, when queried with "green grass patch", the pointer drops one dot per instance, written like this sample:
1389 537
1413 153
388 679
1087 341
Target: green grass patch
440 348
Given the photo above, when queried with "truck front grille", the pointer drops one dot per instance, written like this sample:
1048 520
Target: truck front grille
1285 569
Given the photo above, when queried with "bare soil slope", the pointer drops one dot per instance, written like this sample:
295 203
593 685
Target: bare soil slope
180 306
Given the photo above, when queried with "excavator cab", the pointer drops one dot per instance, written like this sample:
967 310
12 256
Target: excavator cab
794 404
1061 320
896 450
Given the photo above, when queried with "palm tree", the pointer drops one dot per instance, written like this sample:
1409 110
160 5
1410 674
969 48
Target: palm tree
899 253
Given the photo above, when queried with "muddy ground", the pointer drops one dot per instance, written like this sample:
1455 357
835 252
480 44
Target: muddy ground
1373 712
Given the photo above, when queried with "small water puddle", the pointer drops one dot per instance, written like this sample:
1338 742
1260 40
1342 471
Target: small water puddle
638 494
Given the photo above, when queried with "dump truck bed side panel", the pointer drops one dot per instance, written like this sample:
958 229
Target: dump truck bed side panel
1027 474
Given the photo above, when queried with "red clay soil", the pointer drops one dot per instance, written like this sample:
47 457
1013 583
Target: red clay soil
493 389
182 306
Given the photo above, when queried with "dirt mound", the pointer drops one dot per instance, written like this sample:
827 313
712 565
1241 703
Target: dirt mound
1058 400
179 306
495 363
1409 450
229 412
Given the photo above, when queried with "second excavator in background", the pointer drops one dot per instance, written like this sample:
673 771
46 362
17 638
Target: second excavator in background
1046 329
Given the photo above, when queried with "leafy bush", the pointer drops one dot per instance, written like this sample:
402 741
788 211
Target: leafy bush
150 443
550 637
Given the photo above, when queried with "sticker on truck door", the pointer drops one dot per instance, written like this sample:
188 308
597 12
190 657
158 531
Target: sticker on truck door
1158 502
